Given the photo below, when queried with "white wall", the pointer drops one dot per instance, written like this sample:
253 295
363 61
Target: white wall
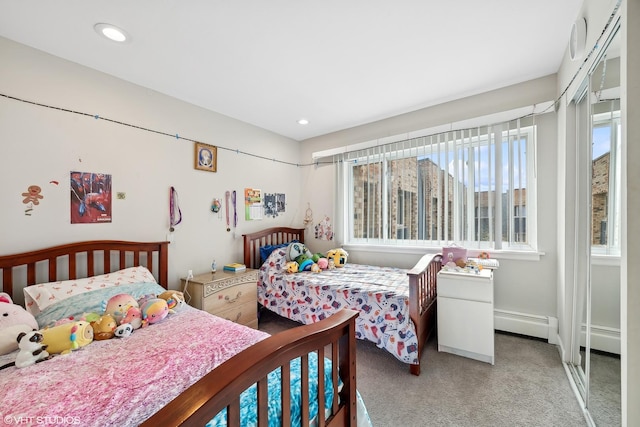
39 145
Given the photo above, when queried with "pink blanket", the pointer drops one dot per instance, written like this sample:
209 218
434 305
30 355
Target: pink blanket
121 381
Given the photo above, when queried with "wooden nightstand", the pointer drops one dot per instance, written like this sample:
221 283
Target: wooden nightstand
232 296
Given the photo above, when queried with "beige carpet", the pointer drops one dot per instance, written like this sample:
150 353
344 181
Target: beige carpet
526 387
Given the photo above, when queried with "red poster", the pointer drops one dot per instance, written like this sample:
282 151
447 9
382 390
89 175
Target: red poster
90 197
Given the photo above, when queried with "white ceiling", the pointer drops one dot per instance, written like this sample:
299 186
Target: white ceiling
338 63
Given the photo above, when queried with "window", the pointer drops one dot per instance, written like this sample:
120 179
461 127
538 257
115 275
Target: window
605 178
474 187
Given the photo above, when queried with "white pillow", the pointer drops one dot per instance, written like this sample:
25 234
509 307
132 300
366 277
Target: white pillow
38 297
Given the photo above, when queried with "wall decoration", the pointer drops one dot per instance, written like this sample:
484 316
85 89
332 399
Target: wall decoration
308 216
252 204
270 208
90 197
32 198
280 202
324 229
206 157
274 204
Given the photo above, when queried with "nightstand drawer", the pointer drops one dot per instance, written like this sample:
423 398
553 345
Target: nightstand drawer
232 296
244 314
226 299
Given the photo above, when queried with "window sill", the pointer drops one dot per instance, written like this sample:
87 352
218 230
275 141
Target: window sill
410 250
607 260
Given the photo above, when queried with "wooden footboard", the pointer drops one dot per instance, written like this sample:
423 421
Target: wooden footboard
333 338
422 300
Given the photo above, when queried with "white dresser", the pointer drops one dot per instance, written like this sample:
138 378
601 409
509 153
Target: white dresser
465 314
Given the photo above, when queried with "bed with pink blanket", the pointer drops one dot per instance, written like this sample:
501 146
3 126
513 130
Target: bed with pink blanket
190 367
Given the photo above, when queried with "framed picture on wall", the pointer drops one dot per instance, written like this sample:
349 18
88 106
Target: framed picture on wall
206 157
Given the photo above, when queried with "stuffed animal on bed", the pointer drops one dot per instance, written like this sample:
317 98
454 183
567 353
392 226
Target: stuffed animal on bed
295 249
118 305
13 320
291 267
153 311
31 349
175 299
62 339
339 256
104 328
132 318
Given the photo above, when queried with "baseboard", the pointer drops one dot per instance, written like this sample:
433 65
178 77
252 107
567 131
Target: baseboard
603 338
527 324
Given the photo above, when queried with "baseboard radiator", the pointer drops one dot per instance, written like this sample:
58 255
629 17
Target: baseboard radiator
546 327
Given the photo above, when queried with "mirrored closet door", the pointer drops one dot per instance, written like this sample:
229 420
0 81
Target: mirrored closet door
595 340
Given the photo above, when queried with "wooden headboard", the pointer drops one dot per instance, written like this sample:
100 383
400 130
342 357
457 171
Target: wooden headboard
270 236
79 260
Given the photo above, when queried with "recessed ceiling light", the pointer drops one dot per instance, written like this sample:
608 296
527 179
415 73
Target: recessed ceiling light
112 32
303 122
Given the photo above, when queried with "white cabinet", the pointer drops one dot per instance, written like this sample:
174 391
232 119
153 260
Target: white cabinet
465 314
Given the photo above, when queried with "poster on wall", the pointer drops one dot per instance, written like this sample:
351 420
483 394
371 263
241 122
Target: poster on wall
252 204
324 229
274 204
90 197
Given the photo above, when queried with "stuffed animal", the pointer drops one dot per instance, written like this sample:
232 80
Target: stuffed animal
315 268
323 263
295 249
13 320
339 256
124 330
175 299
153 311
304 263
291 267
31 349
62 339
104 328
118 305
133 318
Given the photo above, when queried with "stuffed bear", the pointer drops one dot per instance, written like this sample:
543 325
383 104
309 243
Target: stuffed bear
104 328
13 320
31 349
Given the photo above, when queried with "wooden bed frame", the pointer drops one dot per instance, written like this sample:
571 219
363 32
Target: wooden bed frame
422 280
333 338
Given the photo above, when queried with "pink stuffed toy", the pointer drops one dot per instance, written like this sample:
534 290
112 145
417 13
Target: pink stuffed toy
13 320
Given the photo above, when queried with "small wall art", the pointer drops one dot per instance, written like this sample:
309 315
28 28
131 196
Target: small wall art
206 157
90 197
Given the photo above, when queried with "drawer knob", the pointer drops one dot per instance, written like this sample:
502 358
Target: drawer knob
232 300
